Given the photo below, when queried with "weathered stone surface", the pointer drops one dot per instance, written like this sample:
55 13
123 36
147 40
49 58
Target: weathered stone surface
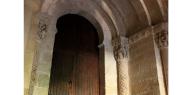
142 68
164 57
27 69
44 67
40 91
43 80
26 91
110 73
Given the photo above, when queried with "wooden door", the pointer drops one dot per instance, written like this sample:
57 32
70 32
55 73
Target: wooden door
75 64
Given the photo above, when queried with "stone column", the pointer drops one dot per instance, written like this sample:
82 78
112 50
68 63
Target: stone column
121 57
161 39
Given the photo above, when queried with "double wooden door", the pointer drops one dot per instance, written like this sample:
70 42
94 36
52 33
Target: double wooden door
75 64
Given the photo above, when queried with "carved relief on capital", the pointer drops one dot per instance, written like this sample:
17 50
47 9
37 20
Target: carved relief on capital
161 38
42 26
119 48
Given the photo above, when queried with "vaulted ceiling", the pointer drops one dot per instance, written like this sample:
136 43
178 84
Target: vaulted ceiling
134 15
139 14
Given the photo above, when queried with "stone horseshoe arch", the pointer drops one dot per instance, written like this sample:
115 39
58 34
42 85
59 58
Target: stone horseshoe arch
45 39
108 46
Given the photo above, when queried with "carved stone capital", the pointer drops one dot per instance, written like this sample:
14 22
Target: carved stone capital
119 48
161 38
161 35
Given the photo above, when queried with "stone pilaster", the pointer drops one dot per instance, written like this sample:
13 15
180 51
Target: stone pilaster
161 39
41 30
121 57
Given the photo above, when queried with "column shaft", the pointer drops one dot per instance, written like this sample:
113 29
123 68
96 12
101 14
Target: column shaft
120 54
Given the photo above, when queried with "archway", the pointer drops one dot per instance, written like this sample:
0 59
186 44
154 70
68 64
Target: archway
44 52
75 65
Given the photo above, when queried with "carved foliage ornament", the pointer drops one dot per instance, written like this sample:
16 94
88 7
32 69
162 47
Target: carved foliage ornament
42 25
161 39
119 49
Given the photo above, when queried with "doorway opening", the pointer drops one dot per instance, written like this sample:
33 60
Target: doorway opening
75 65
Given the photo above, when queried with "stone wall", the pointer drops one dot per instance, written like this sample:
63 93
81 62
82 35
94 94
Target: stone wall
145 66
142 68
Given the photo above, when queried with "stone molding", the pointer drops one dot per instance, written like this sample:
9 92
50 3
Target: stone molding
159 31
140 35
